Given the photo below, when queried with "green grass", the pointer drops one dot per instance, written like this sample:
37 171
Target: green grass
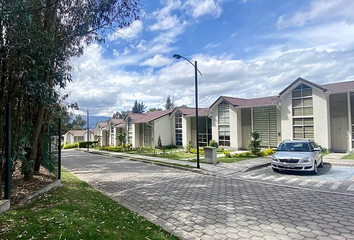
76 211
350 156
233 159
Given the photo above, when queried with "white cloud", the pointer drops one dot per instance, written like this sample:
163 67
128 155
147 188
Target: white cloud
319 10
129 33
165 20
157 61
197 8
210 45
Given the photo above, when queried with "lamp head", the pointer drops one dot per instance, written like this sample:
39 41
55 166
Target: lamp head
177 56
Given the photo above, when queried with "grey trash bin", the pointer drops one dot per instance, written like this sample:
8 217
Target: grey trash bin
210 155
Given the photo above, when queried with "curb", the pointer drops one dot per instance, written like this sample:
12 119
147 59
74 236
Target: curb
52 186
4 205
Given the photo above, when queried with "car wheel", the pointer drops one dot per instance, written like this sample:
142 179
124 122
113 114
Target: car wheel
315 170
276 170
321 164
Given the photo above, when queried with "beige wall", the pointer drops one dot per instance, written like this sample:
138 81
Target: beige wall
235 128
162 128
186 130
214 123
320 113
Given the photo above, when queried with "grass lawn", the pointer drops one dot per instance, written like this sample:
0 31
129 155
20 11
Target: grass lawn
233 159
350 156
225 159
76 211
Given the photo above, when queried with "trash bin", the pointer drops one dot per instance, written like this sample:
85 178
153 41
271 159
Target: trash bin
210 155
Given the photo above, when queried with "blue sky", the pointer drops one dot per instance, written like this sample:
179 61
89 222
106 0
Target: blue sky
244 48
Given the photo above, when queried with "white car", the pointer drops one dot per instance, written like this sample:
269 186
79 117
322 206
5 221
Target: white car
297 155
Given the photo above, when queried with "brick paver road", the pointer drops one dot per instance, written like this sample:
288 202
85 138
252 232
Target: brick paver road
196 206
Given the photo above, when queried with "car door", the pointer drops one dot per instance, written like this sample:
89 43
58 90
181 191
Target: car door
317 154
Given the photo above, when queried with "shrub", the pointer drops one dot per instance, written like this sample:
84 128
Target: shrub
159 143
227 154
213 143
194 150
254 144
84 143
245 154
189 146
71 145
269 152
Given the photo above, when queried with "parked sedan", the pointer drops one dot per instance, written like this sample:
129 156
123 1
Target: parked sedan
297 155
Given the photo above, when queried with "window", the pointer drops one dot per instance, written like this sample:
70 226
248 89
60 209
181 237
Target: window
302 106
130 131
80 138
178 129
112 134
224 124
224 135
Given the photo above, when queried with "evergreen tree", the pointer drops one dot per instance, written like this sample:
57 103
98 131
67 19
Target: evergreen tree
138 107
169 104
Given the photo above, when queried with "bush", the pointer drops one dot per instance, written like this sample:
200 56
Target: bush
245 154
189 146
112 148
269 152
84 144
159 143
213 143
194 150
254 144
227 154
71 145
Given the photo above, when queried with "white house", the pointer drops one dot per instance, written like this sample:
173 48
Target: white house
320 112
74 136
233 120
144 129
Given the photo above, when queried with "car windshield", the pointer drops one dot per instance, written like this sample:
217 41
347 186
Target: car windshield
294 147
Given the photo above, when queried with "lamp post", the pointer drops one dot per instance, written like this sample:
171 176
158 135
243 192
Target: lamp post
196 70
88 132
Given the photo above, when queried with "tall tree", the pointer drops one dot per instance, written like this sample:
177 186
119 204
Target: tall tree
37 39
169 104
138 107
117 115
154 109
78 123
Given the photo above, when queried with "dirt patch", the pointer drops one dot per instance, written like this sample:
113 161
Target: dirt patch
21 189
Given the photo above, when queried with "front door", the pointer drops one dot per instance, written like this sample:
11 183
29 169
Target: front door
339 134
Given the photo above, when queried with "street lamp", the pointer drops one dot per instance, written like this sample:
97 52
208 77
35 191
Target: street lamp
196 99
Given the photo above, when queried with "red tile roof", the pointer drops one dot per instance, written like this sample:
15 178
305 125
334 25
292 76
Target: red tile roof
253 102
339 87
151 116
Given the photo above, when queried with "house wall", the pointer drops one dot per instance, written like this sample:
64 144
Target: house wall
214 123
162 129
186 130
68 138
235 128
320 113
136 137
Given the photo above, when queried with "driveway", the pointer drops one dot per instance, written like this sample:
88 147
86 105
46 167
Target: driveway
196 206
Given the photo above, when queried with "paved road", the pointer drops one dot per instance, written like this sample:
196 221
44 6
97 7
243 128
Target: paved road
339 179
196 206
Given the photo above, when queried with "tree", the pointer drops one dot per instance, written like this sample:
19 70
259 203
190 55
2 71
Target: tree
117 115
37 40
169 104
138 107
78 123
154 109
254 144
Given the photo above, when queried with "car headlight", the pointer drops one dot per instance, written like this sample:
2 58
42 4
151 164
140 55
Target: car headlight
306 160
275 159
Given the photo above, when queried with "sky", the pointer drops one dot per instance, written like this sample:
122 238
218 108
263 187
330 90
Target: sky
243 48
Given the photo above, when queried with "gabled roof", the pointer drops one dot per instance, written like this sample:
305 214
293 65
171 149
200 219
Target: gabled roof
134 116
116 121
190 112
253 102
151 116
102 124
79 133
307 82
339 87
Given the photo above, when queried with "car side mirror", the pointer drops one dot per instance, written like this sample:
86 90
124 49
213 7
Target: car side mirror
317 149
274 149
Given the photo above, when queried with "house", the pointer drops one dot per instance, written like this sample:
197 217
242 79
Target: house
320 112
144 129
101 133
74 136
233 120
183 126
